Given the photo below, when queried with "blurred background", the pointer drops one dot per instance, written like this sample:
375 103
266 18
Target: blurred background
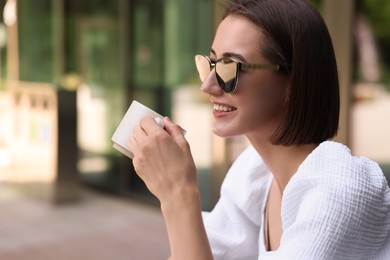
69 69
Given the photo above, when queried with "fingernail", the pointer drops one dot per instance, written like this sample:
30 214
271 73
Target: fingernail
159 121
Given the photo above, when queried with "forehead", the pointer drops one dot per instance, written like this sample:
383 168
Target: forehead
238 34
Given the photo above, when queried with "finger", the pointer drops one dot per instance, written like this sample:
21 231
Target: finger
149 125
173 129
139 134
133 145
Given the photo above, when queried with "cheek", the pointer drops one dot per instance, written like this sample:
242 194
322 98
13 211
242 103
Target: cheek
264 102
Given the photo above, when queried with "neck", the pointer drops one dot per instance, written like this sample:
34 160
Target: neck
282 161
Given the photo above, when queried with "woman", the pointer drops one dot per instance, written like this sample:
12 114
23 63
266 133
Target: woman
271 75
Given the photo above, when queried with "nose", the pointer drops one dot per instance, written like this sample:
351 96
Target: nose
210 85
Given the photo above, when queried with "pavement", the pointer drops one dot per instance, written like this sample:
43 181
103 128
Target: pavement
98 227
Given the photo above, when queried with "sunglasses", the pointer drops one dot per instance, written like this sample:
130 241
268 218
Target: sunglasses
226 70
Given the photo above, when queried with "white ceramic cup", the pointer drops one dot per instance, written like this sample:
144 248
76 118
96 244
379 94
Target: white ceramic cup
131 119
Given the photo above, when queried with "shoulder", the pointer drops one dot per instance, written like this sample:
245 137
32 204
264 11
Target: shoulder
339 199
334 174
332 166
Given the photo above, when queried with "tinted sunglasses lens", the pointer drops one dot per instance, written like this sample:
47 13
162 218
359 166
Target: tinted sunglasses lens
203 66
226 71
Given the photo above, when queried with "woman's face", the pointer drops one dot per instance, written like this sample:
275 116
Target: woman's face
255 108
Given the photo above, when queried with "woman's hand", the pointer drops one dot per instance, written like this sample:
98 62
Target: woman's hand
162 159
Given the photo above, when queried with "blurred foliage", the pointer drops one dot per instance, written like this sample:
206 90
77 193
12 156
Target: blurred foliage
378 14
316 3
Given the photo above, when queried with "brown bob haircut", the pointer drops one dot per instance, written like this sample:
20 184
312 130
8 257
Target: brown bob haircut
297 39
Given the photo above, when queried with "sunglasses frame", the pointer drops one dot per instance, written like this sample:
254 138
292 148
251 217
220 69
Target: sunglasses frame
240 67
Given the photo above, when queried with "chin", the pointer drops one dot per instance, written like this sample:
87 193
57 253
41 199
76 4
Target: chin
224 133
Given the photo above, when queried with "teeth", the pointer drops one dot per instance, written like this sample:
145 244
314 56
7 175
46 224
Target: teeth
221 108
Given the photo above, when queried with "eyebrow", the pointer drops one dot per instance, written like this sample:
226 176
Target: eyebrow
230 55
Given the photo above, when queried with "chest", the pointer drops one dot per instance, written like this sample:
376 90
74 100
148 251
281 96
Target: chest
272 220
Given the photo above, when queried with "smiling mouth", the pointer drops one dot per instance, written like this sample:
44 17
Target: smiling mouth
221 108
